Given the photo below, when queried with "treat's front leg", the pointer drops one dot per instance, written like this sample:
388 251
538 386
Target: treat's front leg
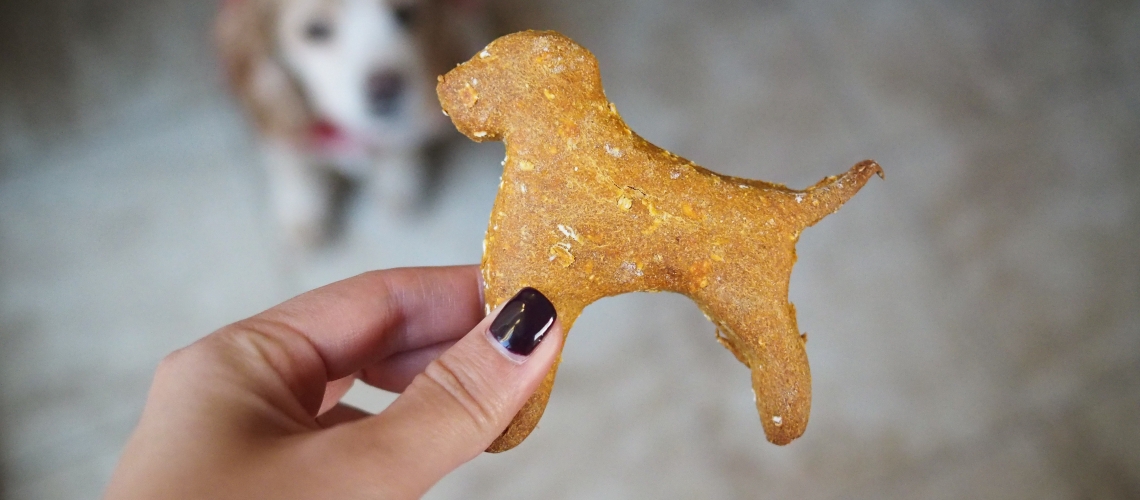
527 418
499 287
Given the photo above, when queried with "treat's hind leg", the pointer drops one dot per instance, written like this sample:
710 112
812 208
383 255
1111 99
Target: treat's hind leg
768 341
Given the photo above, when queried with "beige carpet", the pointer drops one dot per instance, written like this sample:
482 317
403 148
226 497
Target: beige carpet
974 319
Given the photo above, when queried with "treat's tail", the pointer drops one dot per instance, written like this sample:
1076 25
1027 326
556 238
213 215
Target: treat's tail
828 195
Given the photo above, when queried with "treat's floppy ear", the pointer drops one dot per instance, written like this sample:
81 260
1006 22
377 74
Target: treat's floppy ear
245 33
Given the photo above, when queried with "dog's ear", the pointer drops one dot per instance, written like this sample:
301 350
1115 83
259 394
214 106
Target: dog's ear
246 36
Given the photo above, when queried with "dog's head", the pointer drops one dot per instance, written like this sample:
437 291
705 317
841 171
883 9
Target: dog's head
522 80
366 66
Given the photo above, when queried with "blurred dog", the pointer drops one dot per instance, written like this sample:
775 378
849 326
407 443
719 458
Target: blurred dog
343 86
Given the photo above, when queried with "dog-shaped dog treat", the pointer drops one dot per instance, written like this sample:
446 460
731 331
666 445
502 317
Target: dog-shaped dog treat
588 209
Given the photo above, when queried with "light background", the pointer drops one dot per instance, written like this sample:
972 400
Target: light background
974 319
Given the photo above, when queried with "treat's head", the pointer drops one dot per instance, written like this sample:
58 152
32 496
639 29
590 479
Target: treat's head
522 80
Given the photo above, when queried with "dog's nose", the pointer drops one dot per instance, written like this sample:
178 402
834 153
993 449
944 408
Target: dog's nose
384 91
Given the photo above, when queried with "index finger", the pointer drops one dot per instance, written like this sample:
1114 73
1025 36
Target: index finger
358 321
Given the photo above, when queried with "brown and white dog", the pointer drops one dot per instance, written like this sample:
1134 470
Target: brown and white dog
343 86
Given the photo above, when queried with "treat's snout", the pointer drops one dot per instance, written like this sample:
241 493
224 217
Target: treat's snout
472 107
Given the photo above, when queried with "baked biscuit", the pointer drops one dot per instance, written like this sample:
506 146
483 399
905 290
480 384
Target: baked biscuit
588 209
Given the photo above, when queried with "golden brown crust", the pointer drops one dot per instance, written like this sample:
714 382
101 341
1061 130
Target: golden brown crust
588 209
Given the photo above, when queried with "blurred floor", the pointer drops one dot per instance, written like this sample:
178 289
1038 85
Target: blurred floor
973 319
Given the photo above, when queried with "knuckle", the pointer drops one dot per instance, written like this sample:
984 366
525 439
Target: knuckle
460 386
243 345
266 340
187 361
174 363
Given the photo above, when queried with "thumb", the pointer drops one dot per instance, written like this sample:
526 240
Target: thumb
464 399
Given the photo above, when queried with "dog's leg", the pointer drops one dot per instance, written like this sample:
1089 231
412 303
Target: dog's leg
401 178
499 289
301 194
768 341
501 285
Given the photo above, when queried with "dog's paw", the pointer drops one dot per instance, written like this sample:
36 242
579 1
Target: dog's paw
302 197
305 223
401 180
306 233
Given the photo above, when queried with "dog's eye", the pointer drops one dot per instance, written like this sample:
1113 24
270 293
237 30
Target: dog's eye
406 15
318 30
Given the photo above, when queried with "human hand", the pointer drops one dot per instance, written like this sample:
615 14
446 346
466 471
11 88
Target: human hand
251 411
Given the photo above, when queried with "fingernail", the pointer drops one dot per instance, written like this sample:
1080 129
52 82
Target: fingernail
523 321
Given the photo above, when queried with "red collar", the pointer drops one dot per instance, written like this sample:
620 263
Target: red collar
325 136
323 131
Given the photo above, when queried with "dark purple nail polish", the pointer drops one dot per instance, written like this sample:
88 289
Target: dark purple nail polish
523 322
